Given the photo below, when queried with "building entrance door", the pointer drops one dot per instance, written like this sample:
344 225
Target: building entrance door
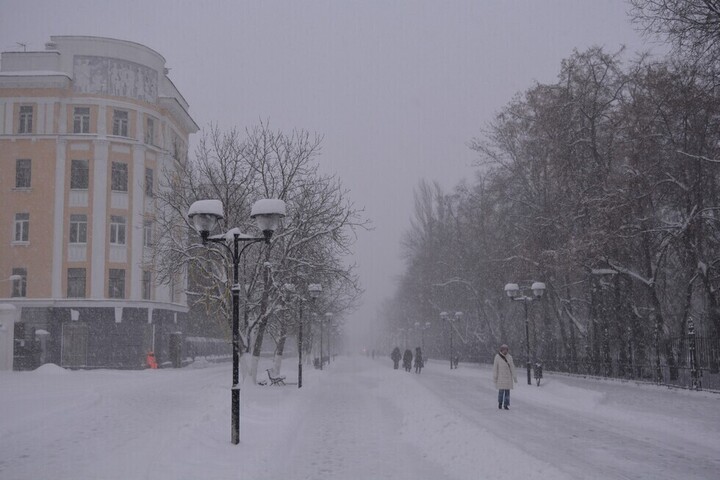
74 345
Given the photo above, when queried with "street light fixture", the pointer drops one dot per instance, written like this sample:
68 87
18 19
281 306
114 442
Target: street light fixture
328 321
514 292
403 336
12 278
204 215
291 288
422 329
445 317
314 289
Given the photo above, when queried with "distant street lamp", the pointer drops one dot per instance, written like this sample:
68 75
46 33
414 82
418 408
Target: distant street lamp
13 278
315 289
514 292
422 329
204 215
447 319
695 374
404 335
328 321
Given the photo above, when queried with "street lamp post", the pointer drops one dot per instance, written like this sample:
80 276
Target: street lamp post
696 383
314 289
13 278
328 321
446 318
204 215
514 292
422 329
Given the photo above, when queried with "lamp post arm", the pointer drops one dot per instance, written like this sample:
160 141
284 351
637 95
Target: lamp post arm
234 253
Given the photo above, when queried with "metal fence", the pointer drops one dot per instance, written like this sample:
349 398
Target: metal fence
691 361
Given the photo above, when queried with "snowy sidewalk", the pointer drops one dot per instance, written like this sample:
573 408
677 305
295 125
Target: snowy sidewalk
358 419
345 430
362 420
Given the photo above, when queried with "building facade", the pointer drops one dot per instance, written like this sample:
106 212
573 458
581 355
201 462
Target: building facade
87 127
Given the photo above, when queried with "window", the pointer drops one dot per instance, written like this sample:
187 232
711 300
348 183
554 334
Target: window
78 228
146 285
117 230
119 177
150 131
81 120
120 123
76 283
20 286
147 233
23 171
79 174
149 177
22 227
116 284
26 114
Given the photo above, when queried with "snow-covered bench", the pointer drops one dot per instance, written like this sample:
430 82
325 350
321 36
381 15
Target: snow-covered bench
279 380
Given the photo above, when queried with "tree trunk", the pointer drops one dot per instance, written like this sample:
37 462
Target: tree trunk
262 323
280 349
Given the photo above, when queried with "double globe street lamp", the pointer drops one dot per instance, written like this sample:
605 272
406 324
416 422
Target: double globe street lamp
422 328
204 215
314 289
515 293
445 317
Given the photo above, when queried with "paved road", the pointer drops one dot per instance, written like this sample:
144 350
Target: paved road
630 432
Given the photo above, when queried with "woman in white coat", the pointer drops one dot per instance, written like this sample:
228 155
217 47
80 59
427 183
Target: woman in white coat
504 376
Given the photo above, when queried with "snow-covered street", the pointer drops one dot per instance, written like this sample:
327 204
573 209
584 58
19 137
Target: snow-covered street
357 419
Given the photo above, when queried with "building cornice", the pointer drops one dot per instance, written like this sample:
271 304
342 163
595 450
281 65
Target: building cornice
34 80
92 303
179 113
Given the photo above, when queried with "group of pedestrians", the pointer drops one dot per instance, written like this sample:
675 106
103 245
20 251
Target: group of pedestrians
503 370
407 359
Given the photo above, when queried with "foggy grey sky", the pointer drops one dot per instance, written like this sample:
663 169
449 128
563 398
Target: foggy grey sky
397 88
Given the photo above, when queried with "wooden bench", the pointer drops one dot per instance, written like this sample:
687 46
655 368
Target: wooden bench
279 380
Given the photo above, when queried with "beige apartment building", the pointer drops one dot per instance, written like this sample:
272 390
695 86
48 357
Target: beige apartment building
87 127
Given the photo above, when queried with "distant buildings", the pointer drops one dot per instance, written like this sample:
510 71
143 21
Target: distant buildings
86 128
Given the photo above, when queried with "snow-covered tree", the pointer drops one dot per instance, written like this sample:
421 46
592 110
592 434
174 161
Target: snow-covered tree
318 232
605 186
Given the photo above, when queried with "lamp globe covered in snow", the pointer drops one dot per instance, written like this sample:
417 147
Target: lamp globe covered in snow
204 215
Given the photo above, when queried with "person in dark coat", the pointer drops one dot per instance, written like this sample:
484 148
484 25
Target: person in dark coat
456 360
395 355
407 360
418 360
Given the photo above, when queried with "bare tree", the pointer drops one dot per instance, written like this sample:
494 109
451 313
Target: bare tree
692 26
319 230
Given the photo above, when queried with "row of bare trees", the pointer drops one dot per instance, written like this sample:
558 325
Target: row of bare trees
605 186
238 168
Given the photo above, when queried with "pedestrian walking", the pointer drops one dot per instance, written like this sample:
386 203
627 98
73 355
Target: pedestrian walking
418 360
504 376
395 355
407 360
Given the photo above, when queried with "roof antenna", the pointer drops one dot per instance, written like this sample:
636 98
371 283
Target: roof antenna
24 45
